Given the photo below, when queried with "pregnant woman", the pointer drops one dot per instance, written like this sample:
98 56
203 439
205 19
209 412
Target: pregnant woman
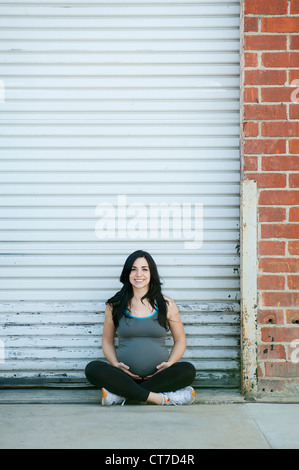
141 369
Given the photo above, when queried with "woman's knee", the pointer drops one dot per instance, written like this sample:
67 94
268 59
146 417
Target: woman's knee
189 370
92 369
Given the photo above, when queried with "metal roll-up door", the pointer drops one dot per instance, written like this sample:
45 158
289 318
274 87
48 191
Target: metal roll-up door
117 118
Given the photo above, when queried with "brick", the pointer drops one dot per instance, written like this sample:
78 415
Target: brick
294 10
250 59
293 59
294 180
268 386
271 214
281 369
280 299
266 7
294 110
273 180
280 25
278 198
274 317
250 163
293 75
293 282
268 180
294 42
279 265
294 146
251 95
273 351
271 248
264 42
262 146
250 129
280 163
292 316
276 94
268 282
279 334
280 231
265 77
280 59
294 214
251 24
293 247
264 111
280 129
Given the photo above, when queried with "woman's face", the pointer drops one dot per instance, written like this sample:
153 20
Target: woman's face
140 274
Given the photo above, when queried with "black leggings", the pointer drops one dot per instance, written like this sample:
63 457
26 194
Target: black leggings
102 374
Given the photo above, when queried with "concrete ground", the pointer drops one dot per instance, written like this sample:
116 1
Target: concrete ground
73 419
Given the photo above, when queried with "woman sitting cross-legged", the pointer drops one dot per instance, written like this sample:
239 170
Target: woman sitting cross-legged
141 369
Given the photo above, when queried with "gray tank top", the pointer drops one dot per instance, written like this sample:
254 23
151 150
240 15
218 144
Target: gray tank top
141 343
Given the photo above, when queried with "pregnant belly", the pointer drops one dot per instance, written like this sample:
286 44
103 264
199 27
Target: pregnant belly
141 355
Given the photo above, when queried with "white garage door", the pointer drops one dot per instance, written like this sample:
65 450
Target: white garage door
119 131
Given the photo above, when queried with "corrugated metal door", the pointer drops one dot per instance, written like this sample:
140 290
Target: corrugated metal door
118 118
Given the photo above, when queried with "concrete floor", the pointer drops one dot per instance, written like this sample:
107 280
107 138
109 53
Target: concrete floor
69 419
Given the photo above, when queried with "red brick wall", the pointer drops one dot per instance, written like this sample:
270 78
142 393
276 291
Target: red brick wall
270 155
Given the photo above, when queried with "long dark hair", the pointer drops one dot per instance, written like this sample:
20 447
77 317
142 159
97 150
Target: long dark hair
120 301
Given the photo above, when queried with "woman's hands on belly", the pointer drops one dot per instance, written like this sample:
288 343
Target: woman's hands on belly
164 365
126 369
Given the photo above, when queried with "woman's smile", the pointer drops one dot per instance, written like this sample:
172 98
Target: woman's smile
139 282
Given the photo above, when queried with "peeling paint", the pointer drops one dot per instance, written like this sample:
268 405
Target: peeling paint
249 287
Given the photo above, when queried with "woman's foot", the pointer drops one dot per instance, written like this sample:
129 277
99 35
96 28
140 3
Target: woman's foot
184 396
108 398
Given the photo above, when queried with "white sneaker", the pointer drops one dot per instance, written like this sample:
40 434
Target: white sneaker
108 398
184 396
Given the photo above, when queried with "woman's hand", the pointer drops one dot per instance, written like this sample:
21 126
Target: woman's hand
125 368
162 366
